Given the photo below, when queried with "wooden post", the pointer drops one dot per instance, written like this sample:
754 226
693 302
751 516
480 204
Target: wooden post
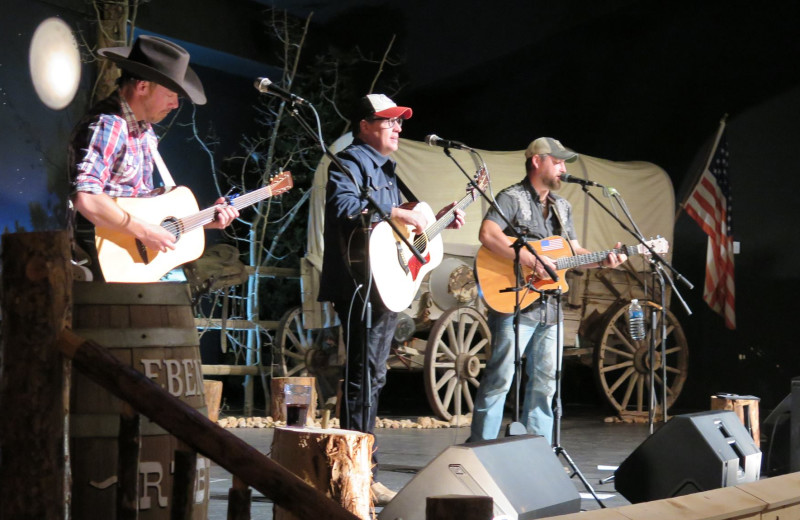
192 427
36 304
183 483
460 507
276 390
129 442
239 496
336 462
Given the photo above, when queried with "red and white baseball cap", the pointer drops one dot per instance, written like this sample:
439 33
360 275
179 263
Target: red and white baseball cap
379 105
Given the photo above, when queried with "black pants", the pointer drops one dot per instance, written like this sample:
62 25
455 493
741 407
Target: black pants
358 413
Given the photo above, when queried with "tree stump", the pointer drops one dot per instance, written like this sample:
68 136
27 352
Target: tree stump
335 462
213 391
277 408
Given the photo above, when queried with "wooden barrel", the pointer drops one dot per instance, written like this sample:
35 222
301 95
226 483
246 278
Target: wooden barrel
151 328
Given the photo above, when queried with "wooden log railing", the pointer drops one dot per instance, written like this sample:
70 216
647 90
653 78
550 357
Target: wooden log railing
36 271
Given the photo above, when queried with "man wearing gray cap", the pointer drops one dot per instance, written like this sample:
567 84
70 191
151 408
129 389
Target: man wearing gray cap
537 213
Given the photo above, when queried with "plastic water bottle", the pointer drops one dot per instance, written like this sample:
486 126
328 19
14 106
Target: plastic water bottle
636 320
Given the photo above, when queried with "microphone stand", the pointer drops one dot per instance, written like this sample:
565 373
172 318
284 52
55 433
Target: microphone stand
658 263
516 427
316 135
557 409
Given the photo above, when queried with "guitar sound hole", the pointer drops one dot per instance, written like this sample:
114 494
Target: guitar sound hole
173 225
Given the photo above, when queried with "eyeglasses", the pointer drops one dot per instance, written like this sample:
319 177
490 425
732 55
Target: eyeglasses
389 123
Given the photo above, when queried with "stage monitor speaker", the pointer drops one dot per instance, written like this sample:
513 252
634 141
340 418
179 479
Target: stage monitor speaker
690 453
522 474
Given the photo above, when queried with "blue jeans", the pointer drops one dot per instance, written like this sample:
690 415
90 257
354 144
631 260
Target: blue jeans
355 414
538 343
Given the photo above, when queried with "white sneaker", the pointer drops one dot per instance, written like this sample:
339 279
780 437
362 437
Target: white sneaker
381 495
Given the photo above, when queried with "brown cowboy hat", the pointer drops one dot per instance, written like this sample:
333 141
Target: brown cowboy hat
160 61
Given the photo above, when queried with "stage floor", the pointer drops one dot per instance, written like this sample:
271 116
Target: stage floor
591 443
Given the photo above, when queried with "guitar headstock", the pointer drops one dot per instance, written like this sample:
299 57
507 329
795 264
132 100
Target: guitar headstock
281 183
658 245
481 179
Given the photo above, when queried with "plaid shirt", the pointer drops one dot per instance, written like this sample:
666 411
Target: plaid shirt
112 152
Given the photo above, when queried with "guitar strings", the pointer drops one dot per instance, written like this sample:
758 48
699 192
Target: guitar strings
178 226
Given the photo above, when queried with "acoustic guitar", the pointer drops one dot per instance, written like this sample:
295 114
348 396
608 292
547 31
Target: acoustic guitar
123 258
495 273
396 272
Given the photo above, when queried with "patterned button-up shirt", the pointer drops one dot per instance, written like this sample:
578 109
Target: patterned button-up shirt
112 152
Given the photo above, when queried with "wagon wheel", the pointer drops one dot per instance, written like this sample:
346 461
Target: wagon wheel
458 347
622 365
303 351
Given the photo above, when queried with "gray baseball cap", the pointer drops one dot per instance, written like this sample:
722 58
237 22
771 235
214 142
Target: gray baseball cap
550 146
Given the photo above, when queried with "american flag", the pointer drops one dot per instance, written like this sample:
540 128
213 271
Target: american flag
552 244
710 205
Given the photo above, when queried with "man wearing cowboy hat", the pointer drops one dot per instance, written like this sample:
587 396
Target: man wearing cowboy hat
113 147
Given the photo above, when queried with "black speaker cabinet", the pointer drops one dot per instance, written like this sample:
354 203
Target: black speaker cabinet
690 453
521 474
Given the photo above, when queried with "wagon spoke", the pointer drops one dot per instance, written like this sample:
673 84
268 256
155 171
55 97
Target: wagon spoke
470 337
478 347
629 390
458 391
625 375
446 378
623 337
448 394
624 354
618 366
639 394
467 396
444 349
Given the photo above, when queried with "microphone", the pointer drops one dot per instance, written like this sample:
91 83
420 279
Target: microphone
565 177
265 86
435 140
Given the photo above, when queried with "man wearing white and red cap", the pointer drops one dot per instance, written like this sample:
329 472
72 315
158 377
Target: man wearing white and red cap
535 212
113 147
377 123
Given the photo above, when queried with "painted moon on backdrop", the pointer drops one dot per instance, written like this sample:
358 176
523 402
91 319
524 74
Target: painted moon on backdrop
55 63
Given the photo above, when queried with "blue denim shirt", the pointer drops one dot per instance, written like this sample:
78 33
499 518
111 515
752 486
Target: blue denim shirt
344 209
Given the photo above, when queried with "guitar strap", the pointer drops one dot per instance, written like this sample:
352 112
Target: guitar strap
558 206
166 177
407 193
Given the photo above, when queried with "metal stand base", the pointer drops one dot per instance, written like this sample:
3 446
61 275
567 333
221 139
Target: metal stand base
561 452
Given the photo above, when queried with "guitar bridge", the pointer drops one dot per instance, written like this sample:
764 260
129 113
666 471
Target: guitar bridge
400 257
142 249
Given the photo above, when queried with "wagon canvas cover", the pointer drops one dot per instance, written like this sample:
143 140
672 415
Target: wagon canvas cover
433 177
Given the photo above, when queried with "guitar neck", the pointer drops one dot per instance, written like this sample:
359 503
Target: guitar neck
446 219
207 215
568 262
